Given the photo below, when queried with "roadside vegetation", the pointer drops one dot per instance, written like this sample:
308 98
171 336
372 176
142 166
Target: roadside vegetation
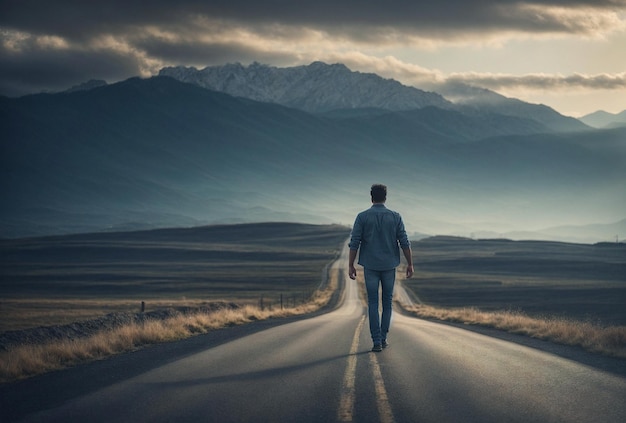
571 294
264 270
552 288
28 360
593 337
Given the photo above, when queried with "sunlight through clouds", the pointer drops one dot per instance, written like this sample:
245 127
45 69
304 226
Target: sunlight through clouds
586 21
19 42
542 81
477 42
389 67
13 41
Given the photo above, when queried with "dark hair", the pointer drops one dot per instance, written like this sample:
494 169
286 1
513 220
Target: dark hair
379 193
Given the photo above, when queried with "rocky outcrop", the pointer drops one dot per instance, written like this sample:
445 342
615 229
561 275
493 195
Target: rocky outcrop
315 88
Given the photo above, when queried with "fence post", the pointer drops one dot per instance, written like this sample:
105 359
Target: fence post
143 306
281 301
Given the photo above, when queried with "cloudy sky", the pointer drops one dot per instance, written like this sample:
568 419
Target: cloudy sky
568 54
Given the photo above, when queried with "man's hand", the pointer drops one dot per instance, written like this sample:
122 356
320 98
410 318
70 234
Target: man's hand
409 271
408 255
351 271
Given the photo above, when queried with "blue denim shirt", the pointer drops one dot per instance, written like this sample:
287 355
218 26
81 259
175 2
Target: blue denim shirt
378 231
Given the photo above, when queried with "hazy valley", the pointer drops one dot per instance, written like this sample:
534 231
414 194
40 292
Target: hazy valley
160 152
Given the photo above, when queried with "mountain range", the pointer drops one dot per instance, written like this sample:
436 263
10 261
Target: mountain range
319 88
602 119
168 151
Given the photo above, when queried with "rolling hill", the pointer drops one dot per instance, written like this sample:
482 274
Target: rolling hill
602 119
158 152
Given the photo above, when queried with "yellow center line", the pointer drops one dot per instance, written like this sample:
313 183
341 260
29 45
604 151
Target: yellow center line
346 405
382 400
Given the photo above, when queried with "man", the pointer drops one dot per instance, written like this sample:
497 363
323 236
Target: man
377 232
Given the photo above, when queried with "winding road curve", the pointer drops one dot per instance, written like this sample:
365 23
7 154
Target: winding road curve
321 370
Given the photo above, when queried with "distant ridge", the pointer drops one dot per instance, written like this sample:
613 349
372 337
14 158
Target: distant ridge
86 86
322 88
157 152
315 88
474 100
593 233
602 119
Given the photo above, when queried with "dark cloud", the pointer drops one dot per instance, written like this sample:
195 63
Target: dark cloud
34 69
205 54
49 45
544 82
78 18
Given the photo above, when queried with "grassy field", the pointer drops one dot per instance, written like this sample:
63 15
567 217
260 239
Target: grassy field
59 280
567 293
540 279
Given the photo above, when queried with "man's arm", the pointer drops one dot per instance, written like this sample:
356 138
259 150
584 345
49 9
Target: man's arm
405 244
351 269
355 243
408 255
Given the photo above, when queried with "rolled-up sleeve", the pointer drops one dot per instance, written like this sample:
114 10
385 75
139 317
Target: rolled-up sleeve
401 235
356 234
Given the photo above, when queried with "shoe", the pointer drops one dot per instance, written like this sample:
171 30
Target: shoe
377 348
385 344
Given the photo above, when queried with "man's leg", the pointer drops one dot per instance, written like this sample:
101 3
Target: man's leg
372 279
387 279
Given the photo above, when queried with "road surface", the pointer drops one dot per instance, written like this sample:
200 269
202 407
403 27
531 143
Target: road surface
321 370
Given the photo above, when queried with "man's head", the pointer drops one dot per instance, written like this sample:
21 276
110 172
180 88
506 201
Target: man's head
379 193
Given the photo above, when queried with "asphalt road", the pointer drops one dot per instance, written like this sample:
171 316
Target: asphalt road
321 370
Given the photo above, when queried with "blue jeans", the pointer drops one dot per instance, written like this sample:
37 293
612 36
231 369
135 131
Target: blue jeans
373 279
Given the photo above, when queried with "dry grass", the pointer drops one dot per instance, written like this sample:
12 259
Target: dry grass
19 314
593 337
28 360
